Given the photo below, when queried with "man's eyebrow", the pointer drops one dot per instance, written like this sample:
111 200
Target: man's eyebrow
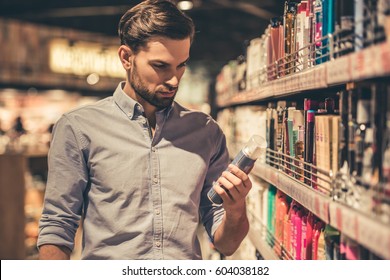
166 63
185 61
159 61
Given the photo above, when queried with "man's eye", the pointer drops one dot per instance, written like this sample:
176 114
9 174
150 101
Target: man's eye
159 66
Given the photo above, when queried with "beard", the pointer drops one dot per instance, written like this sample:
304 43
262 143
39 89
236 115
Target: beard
149 96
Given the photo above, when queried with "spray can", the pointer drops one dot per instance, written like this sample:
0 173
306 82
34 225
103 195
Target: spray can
245 159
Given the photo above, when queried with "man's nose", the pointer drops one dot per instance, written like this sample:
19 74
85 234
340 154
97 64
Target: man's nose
173 82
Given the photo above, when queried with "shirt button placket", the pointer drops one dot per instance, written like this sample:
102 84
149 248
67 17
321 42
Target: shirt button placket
156 195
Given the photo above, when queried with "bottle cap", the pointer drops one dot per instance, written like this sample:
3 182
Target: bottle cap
255 147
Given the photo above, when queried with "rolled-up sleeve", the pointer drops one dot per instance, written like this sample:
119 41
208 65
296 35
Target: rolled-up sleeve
66 185
211 214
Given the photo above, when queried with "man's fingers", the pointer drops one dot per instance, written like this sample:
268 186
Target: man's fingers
241 175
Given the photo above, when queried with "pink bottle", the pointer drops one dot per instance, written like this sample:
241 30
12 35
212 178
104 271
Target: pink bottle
298 233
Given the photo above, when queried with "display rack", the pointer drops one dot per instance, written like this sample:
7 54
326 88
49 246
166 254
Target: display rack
364 227
368 231
372 62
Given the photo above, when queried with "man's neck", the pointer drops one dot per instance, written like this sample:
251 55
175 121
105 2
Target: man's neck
149 110
150 114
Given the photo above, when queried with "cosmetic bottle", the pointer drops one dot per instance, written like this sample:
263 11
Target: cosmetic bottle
278 227
287 232
332 239
311 219
271 219
302 35
290 36
309 147
304 235
318 244
274 48
327 27
281 212
344 27
295 209
359 24
298 233
363 113
245 159
318 18
321 253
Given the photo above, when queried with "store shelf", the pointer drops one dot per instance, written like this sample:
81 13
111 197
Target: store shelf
349 76
311 199
372 62
366 230
313 78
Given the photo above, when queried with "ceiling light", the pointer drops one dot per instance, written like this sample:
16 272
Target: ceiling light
185 5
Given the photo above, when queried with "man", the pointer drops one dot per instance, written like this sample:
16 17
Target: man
137 166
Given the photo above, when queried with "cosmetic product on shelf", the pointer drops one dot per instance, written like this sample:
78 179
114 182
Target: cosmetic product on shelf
302 36
290 14
318 19
327 27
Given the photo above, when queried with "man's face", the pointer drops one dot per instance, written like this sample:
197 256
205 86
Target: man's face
157 69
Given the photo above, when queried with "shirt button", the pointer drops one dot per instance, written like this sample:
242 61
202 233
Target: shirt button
143 121
153 149
155 180
158 244
157 212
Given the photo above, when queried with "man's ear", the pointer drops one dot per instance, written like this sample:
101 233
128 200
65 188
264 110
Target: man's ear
125 56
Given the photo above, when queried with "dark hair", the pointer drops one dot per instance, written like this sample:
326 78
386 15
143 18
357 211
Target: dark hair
153 18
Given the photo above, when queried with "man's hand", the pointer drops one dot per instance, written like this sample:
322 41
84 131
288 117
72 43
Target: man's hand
233 187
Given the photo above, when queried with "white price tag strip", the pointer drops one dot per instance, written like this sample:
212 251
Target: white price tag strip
357 65
279 86
263 92
320 76
339 70
369 62
321 206
266 173
286 187
310 79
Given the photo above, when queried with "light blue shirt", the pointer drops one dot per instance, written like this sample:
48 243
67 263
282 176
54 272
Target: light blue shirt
141 196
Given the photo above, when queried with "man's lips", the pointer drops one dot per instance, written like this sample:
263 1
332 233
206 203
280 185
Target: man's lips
168 93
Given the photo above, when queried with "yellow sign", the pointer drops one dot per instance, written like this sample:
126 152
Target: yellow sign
83 58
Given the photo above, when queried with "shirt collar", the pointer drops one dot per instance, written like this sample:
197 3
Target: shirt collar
131 107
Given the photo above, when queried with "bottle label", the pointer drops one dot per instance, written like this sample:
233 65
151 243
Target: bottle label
243 162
